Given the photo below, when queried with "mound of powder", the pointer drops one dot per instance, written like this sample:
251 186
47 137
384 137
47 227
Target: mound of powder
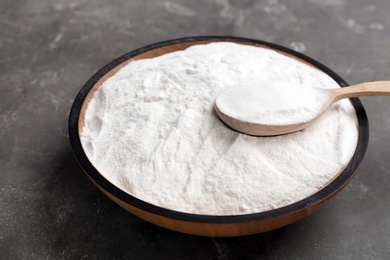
271 103
151 130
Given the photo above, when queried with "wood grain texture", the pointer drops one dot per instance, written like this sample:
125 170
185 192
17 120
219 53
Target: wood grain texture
375 88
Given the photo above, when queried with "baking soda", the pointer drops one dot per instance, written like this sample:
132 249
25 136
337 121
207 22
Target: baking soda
272 103
152 131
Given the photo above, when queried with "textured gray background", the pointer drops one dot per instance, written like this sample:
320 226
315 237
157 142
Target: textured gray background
48 49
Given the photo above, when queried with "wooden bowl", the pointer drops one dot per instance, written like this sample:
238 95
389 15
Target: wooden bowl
208 225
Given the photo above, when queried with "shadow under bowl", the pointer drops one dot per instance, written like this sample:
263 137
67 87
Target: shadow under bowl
210 225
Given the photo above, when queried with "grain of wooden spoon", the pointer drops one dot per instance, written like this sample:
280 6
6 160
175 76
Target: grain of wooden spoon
376 88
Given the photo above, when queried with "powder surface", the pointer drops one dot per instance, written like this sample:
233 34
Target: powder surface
151 130
271 103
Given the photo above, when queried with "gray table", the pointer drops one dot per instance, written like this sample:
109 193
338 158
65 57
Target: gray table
48 49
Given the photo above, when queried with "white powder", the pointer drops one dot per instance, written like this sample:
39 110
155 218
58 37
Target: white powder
152 131
271 103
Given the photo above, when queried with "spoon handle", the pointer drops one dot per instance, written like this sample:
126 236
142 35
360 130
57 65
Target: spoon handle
375 88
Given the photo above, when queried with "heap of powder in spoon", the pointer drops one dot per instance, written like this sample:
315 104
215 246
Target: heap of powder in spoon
271 103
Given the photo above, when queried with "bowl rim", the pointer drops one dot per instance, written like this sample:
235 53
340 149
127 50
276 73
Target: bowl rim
330 189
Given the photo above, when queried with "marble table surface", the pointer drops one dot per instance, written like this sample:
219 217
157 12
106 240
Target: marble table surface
48 49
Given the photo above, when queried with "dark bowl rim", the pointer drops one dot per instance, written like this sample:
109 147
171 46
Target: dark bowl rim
333 187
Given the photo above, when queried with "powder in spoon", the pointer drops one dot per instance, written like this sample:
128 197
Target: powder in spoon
271 103
152 131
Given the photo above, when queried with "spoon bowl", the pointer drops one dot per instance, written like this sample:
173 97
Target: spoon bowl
376 88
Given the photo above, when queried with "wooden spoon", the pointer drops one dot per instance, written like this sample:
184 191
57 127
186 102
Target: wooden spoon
376 88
